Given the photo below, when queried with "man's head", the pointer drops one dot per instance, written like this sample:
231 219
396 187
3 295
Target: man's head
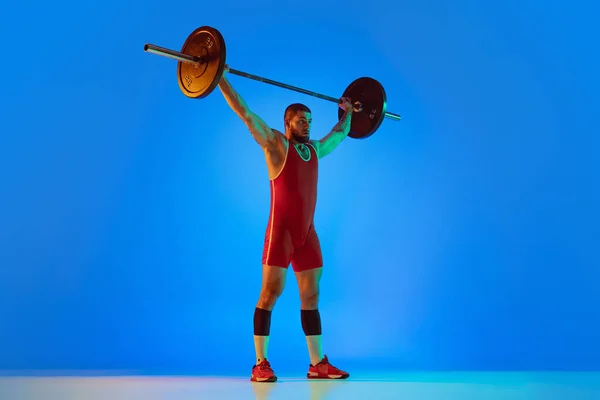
297 120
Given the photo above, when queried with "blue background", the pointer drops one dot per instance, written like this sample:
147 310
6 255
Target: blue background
465 236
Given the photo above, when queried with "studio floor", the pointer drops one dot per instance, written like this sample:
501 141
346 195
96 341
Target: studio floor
405 386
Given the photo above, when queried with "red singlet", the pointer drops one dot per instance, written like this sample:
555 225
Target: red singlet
291 235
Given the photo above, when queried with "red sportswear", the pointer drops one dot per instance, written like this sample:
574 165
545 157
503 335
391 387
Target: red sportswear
291 236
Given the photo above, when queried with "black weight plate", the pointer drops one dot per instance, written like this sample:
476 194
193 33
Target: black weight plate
198 81
372 96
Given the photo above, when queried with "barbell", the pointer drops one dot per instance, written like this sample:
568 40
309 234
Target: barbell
201 62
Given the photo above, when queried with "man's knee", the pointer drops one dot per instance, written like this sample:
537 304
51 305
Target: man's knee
273 282
309 299
269 295
267 300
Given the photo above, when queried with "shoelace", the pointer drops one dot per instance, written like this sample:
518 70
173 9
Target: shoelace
263 366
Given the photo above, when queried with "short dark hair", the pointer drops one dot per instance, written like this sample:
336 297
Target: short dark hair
292 109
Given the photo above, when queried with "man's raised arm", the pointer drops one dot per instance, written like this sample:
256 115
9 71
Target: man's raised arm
339 131
261 132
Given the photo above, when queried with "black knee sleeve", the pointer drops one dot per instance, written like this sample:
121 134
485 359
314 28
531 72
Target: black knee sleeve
262 322
311 322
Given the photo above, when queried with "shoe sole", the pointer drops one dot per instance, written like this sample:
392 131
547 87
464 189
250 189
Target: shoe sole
267 380
309 376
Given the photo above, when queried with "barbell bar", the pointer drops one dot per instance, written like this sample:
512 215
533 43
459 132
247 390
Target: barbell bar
202 60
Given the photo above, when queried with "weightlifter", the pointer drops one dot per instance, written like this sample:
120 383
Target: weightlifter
292 160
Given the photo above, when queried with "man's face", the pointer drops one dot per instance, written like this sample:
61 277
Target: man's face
299 126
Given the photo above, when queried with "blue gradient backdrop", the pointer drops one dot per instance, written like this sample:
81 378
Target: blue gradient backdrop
465 236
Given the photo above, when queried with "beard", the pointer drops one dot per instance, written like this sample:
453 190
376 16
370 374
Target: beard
301 138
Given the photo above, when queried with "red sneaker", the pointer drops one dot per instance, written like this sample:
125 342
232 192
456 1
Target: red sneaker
324 370
263 372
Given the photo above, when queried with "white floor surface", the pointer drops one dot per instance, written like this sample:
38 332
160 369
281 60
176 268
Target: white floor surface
402 386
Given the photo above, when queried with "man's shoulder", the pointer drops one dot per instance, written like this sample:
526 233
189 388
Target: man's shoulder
316 144
279 136
279 144
277 132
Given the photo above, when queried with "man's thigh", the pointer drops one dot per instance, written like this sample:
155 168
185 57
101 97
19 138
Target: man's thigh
278 249
308 256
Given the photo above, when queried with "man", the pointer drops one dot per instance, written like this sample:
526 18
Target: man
292 165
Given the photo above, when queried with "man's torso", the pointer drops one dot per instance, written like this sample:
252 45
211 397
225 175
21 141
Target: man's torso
293 175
